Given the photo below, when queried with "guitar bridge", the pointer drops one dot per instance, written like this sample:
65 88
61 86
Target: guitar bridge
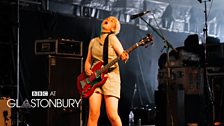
82 83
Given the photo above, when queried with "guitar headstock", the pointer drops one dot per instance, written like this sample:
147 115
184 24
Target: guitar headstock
146 40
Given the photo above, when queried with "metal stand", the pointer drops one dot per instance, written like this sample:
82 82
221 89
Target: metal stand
18 59
206 82
167 46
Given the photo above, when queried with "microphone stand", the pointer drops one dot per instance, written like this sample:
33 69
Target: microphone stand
206 83
167 46
18 59
166 43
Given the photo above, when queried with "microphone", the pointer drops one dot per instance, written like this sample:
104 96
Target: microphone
139 14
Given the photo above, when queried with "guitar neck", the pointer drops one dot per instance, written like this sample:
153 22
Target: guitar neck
129 50
106 67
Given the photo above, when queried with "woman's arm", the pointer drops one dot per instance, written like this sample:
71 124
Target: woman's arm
88 61
116 44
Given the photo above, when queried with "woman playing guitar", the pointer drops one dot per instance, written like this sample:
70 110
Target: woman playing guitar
110 90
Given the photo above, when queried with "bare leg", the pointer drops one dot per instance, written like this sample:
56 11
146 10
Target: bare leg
112 110
94 109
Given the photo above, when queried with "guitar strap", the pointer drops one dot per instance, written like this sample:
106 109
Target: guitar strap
105 50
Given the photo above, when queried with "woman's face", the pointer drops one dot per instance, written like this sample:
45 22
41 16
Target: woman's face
108 25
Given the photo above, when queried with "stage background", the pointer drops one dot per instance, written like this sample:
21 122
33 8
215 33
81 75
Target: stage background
80 20
140 72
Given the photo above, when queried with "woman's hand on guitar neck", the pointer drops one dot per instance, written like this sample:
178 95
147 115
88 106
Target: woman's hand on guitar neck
124 56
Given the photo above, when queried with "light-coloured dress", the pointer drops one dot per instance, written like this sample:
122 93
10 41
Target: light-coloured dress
112 86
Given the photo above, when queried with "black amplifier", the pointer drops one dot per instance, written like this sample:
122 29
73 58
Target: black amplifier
58 47
191 79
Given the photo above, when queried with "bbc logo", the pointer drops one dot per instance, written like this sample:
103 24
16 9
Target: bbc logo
39 93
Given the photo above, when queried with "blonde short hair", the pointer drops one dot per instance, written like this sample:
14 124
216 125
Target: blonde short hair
117 24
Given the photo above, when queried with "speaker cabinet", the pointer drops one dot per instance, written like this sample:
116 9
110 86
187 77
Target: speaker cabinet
190 78
170 107
196 110
62 80
62 76
178 109
54 73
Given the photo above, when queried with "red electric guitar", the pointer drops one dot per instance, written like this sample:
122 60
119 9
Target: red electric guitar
87 84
